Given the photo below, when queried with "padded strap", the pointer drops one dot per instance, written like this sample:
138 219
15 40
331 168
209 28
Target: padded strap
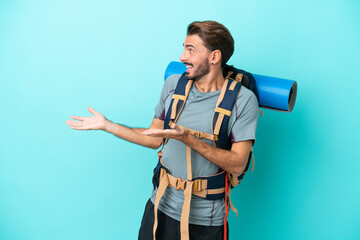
222 113
173 108
178 102
216 130
187 91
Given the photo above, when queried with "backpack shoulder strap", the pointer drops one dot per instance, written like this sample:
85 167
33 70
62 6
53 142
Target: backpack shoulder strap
246 78
178 100
224 108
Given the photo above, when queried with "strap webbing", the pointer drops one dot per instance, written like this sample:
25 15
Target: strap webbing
239 77
231 204
163 184
222 93
221 97
218 123
229 74
223 111
188 163
178 96
233 85
198 134
184 222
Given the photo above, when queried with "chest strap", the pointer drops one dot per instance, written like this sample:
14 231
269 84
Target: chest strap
198 134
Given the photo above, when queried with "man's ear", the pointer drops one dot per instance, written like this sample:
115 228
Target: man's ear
215 57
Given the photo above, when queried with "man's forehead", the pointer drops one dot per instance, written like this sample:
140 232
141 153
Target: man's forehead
193 41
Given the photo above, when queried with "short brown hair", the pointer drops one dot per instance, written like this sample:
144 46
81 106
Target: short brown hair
215 37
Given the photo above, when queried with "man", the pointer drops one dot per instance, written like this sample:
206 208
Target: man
207 48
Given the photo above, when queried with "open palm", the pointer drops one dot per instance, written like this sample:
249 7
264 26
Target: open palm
95 122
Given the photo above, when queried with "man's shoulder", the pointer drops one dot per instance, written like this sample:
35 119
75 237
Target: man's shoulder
246 99
246 94
171 81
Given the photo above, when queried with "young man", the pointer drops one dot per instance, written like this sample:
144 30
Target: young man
207 47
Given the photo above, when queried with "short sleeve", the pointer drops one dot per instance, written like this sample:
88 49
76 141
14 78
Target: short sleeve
247 113
168 89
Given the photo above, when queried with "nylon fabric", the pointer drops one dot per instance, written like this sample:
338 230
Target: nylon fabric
184 223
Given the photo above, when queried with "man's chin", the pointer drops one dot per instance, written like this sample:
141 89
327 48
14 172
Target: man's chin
188 76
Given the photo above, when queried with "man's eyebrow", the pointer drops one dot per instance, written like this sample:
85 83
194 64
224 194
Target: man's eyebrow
189 45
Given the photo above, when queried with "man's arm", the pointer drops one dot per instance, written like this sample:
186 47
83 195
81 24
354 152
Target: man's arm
233 161
99 122
134 134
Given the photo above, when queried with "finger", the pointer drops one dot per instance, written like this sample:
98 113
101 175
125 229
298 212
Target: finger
74 123
91 110
78 118
78 128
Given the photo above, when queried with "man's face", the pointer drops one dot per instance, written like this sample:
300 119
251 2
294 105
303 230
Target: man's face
196 58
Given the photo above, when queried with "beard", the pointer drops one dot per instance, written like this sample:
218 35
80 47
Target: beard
202 70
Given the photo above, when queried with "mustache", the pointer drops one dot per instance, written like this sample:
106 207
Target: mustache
187 63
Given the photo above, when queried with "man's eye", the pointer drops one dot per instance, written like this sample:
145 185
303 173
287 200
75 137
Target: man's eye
191 50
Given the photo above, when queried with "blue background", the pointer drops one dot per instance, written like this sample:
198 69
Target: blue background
59 57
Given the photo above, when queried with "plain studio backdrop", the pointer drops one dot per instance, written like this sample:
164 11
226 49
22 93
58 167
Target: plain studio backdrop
59 57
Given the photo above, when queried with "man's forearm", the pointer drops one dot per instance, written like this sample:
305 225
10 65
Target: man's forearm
132 134
233 161
230 161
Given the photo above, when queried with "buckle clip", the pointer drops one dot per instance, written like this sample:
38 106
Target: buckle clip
180 184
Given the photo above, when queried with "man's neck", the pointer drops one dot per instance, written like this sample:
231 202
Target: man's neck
211 82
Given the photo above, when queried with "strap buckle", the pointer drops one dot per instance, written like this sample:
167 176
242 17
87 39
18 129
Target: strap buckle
197 185
200 135
180 184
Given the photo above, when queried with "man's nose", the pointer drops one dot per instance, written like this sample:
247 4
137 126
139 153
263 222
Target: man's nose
183 57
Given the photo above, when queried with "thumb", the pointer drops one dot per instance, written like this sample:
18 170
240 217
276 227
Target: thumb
91 110
175 126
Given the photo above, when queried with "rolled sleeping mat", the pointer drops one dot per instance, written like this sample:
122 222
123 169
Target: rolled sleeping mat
274 93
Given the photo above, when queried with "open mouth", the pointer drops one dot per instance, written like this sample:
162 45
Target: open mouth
188 66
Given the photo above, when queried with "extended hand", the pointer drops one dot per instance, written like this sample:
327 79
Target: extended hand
95 122
176 132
